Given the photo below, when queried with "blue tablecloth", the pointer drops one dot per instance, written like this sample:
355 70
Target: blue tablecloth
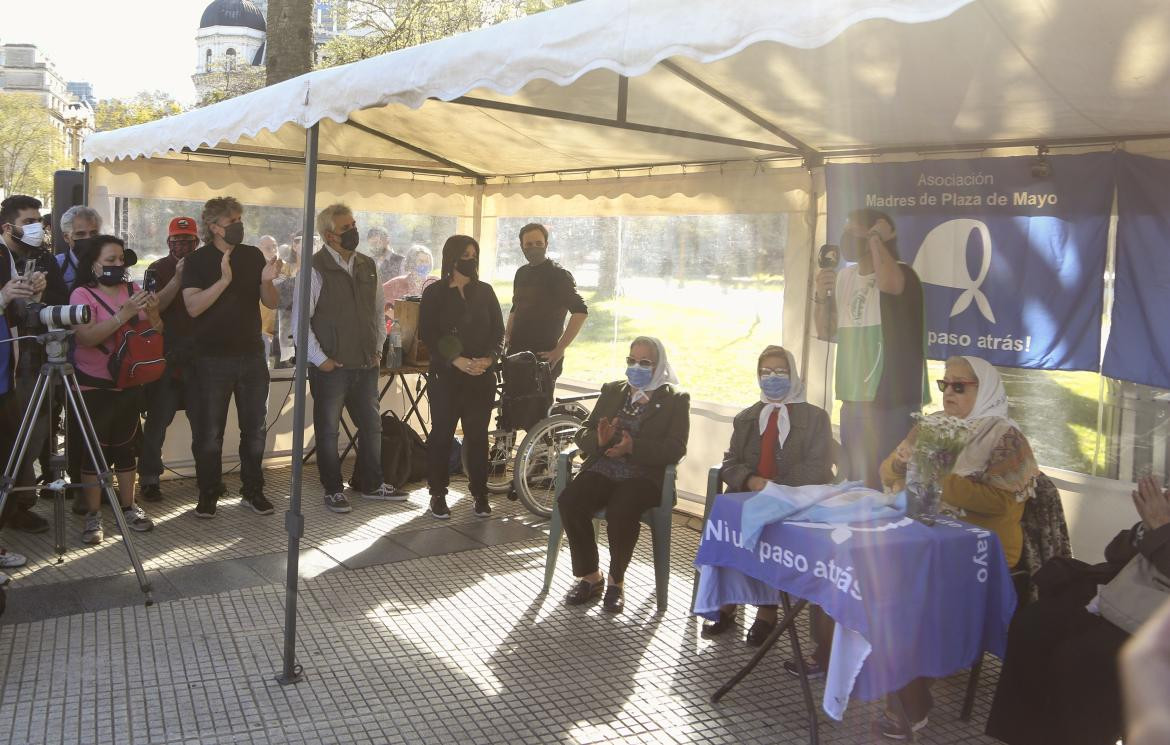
925 600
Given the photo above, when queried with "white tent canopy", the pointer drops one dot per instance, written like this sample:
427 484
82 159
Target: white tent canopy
609 84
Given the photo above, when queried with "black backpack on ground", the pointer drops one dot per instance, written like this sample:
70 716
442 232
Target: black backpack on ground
528 390
404 454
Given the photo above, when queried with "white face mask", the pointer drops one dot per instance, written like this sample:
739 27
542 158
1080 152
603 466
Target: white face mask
33 234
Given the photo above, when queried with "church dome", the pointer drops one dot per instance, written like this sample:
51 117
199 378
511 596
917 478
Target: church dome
238 13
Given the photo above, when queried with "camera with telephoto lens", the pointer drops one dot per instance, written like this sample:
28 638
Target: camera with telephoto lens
41 317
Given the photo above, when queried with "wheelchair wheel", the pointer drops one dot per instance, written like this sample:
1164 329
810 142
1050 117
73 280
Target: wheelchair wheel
501 453
536 461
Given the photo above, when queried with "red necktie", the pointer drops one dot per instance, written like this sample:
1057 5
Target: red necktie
768 443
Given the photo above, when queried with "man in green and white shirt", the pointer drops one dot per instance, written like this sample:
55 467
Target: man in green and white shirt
875 311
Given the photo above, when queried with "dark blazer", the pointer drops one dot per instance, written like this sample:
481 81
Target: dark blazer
662 438
805 458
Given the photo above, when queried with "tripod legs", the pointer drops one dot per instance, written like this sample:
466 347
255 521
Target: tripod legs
49 376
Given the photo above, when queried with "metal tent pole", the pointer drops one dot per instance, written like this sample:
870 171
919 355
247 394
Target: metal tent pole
294 521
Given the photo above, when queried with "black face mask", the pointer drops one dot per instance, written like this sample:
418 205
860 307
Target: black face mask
349 239
82 245
112 275
534 255
468 267
233 234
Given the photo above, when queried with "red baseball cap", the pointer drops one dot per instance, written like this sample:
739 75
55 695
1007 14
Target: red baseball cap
183 226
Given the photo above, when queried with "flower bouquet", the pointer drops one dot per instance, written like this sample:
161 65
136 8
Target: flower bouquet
940 440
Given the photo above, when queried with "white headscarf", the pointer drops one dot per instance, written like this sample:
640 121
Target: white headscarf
988 417
795 395
663 372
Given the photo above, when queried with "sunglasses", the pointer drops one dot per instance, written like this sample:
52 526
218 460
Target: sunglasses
958 386
630 362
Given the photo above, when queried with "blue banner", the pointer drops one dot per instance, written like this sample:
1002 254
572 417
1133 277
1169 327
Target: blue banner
1139 336
1011 253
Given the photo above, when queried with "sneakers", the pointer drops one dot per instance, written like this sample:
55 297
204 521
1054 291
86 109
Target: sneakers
11 560
258 502
482 508
26 521
890 728
150 493
337 503
812 668
137 520
206 507
386 493
92 534
439 508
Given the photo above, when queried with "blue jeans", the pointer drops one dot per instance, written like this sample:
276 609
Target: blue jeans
357 392
869 433
164 397
214 381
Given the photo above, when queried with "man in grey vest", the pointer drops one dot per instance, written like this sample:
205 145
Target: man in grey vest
346 331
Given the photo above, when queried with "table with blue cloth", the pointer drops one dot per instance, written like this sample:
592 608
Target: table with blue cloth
910 600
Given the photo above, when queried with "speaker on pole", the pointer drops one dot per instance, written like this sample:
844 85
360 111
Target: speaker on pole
67 192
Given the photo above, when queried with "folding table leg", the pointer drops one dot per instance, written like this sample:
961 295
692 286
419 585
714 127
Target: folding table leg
810 705
782 626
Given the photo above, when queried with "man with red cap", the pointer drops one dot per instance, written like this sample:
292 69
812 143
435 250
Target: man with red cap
166 396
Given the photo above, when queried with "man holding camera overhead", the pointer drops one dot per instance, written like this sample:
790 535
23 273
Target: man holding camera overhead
875 310
28 273
167 395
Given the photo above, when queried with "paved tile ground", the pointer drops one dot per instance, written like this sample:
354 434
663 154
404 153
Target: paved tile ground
408 634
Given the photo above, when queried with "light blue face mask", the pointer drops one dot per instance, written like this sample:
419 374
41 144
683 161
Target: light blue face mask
639 377
422 270
775 387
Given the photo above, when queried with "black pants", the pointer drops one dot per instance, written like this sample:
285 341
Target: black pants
455 396
623 501
118 428
1060 681
11 415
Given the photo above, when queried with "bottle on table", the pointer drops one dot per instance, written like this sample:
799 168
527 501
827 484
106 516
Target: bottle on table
395 360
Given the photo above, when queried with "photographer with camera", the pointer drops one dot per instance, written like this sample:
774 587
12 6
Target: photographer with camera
165 396
875 309
14 289
102 285
25 256
224 281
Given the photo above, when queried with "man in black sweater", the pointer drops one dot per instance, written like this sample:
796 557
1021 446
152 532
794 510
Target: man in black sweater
543 292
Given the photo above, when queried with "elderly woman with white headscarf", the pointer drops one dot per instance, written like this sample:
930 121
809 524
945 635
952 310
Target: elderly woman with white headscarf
994 475
639 426
417 264
783 439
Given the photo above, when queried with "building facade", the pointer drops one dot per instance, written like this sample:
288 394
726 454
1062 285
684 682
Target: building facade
24 68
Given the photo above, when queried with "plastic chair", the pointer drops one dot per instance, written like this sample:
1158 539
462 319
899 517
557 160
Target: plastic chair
658 518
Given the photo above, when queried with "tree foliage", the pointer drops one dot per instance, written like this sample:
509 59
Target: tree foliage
30 146
115 113
226 79
389 25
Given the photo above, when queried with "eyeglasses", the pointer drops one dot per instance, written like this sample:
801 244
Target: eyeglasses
766 371
631 362
958 386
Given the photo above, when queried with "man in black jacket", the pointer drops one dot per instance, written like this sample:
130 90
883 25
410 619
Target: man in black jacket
26 256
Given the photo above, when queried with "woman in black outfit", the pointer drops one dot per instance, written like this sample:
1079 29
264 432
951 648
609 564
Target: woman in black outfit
638 427
462 326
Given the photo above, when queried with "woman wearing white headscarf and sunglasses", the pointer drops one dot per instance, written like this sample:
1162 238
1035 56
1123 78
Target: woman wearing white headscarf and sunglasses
780 438
643 423
994 475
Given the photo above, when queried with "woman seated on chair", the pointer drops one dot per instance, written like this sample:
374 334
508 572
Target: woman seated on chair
1059 682
418 265
638 428
994 474
780 438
